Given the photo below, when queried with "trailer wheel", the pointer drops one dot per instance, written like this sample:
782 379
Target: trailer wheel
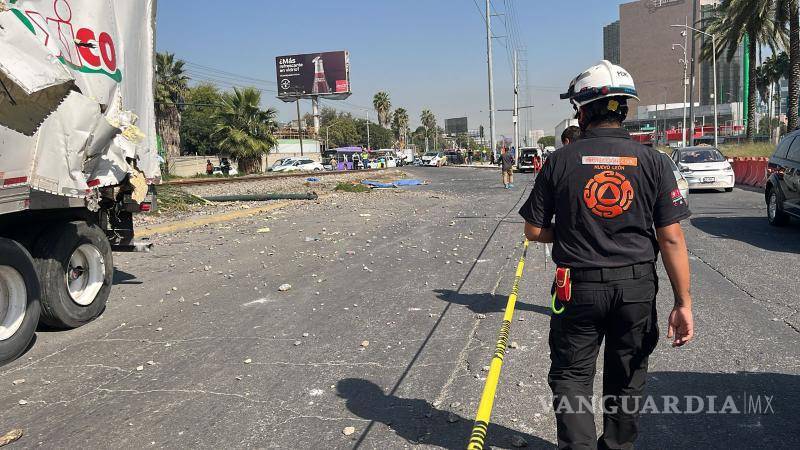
19 300
75 268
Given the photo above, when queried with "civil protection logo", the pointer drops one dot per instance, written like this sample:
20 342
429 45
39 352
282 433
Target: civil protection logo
608 194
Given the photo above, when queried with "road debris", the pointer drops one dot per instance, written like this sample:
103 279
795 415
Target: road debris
284 287
365 344
11 436
263 230
248 361
348 431
16 382
22 402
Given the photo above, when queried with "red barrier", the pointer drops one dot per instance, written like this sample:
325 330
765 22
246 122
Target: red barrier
748 171
739 169
760 179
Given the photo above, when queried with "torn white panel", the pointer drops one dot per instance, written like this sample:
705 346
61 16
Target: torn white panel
108 169
61 147
32 81
136 27
16 155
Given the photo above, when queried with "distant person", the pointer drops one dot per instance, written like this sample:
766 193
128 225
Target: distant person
225 166
209 167
507 166
570 135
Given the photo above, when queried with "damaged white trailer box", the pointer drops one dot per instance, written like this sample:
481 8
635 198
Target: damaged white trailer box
78 155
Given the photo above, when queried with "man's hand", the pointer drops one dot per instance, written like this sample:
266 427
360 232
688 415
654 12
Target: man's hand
680 327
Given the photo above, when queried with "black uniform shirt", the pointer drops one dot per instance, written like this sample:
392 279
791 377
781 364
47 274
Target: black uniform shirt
607 194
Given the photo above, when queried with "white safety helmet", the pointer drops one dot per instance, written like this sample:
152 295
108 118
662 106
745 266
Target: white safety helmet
602 80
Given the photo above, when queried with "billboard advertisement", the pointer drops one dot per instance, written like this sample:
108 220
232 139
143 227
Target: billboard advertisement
324 74
455 126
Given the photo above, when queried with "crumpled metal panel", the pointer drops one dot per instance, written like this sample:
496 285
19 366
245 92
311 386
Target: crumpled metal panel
32 81
61 147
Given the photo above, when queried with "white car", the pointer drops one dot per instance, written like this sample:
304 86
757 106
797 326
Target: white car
435 159
683 185
704 167
300 165
280 162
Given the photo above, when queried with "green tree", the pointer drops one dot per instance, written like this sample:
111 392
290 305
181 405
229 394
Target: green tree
244 130
198 119
342 132
400 125
170 87
547 141
379 137
382 106
735 19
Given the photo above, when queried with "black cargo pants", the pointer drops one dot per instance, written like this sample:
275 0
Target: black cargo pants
623 312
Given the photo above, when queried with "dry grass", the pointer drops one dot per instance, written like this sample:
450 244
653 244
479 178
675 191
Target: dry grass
748 150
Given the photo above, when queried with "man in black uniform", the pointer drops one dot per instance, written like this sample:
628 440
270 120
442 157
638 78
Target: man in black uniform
616 205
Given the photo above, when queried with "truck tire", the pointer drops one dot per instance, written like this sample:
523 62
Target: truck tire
75 268
19 300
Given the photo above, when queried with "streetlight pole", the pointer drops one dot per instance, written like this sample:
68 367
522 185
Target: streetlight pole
685 68
491 74
714 68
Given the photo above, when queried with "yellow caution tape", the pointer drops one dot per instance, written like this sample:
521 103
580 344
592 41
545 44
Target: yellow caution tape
479 430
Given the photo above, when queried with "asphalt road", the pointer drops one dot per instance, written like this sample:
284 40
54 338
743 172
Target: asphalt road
393 313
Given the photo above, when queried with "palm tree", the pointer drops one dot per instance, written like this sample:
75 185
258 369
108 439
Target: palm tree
789 11
736 19
382 106
244 130
429 122
400 124
170 88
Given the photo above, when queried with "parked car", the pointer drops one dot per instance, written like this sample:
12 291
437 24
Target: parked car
454 157
704 167
280 162
300 165
782 191
436 159
683 185
218 170
526 159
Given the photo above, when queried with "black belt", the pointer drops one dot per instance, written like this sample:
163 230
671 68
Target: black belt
612 274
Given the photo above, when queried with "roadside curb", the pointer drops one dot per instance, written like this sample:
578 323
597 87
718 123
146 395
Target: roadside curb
244 179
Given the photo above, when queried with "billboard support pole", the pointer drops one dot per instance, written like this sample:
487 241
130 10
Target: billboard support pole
315 112
299 126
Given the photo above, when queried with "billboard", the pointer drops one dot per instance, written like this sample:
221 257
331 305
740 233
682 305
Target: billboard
324 74
455 126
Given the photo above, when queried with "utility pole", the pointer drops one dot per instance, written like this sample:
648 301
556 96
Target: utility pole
715 94
515 117
691 77
299 126
367 130
491 75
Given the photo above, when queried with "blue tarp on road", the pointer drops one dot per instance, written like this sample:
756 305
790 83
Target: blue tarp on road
398 183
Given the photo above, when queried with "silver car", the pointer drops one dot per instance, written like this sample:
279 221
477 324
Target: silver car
683 185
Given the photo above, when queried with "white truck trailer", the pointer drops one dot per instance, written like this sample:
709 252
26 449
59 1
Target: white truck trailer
78 156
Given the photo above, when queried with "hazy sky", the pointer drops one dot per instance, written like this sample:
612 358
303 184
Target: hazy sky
425 54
